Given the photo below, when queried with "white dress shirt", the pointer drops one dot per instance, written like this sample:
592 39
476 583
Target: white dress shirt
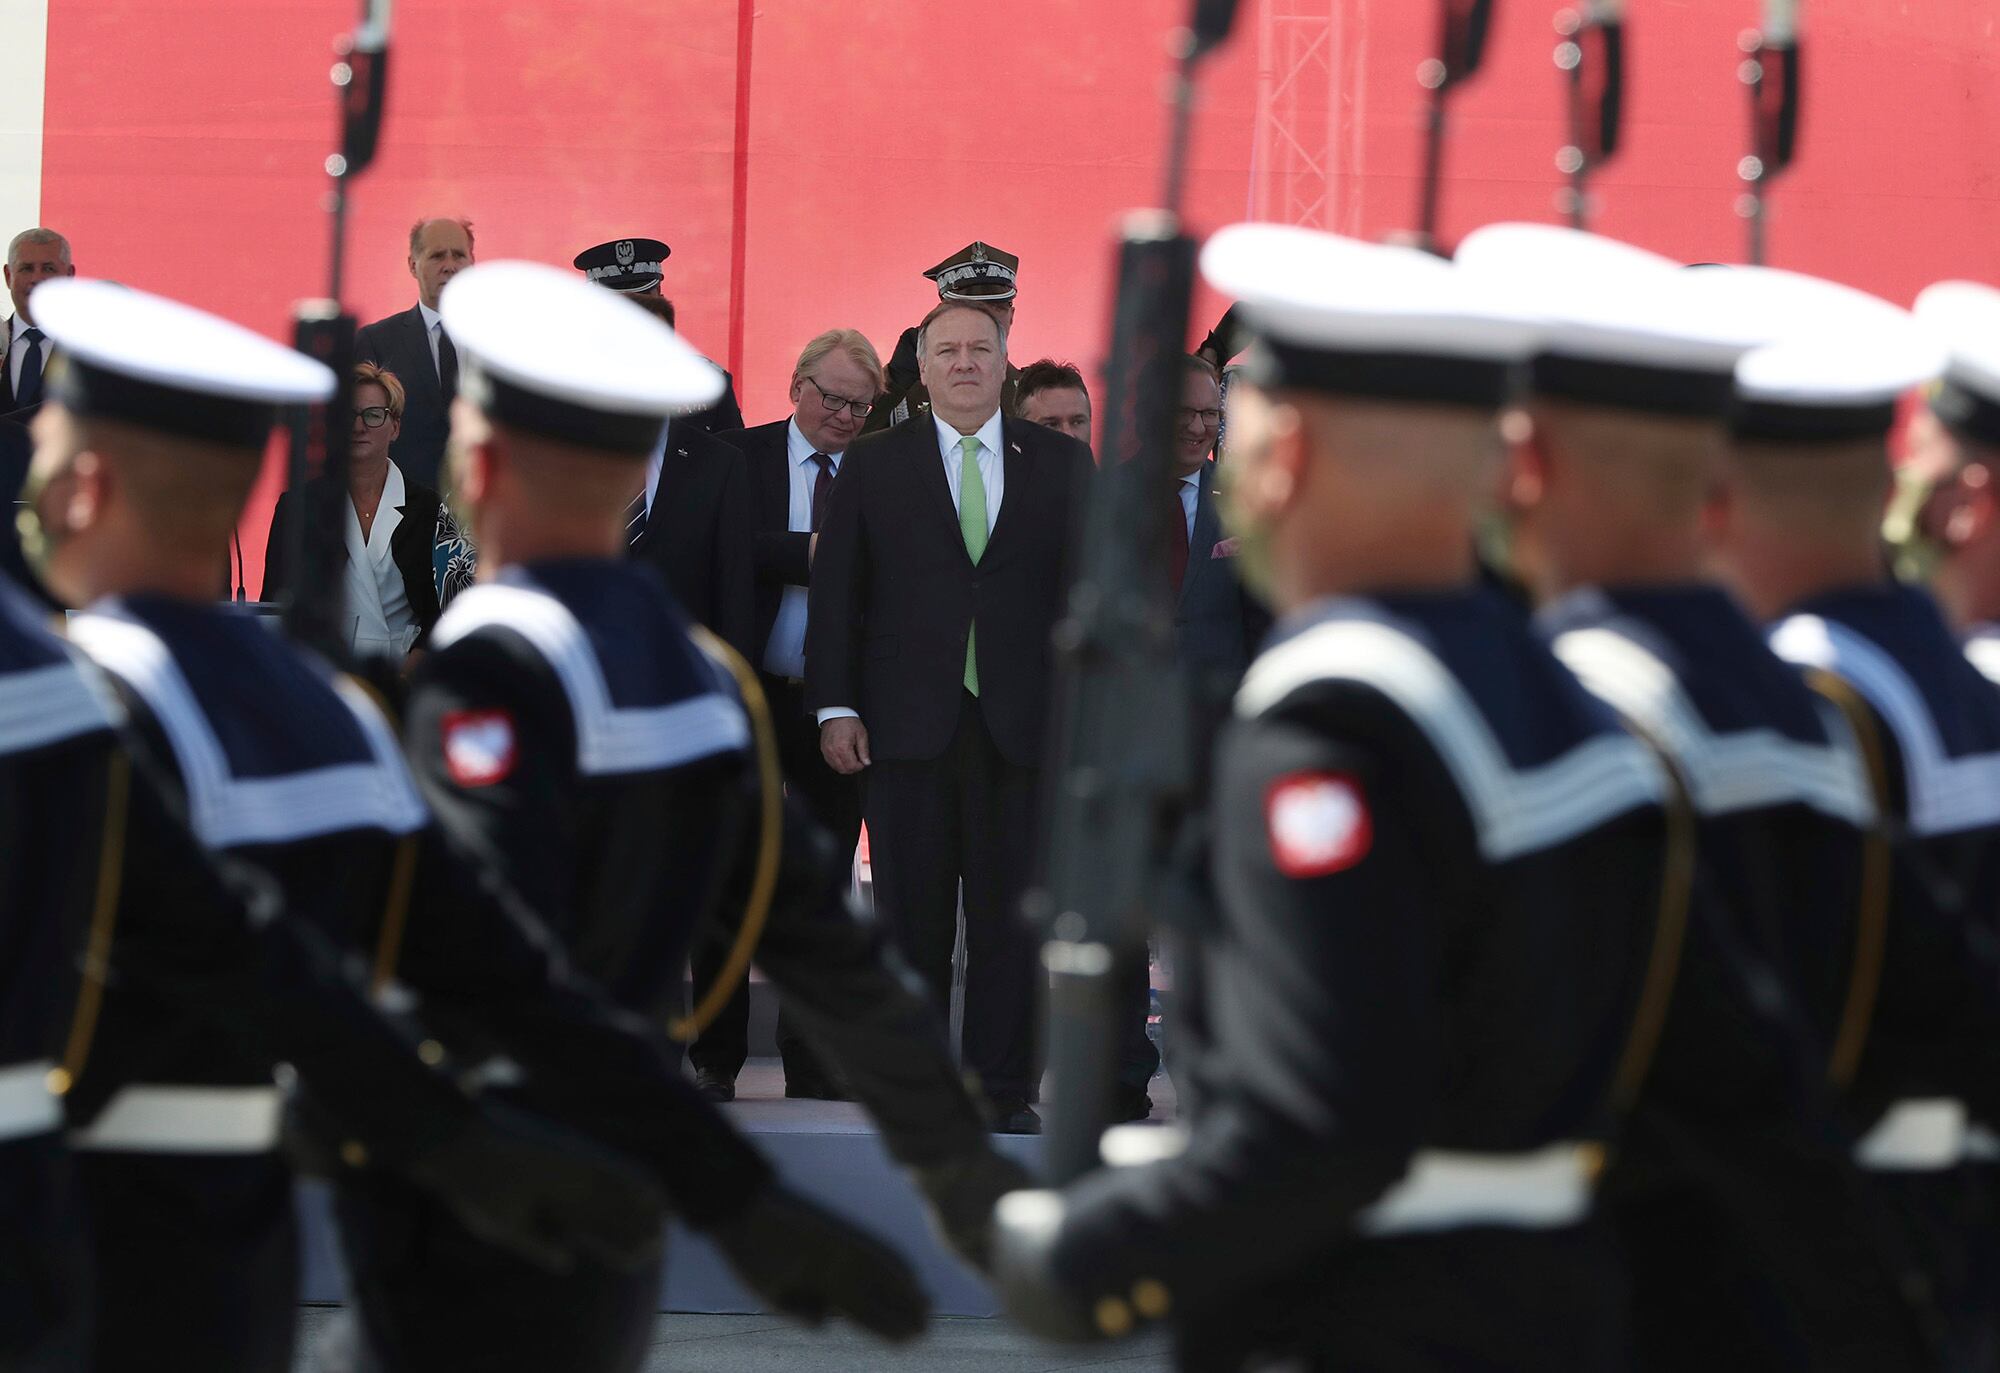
17 352
433 321
378 604
656 462
1190 493
785 650
992 475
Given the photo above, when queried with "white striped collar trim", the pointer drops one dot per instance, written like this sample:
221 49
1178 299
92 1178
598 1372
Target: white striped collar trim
610 739
1944 794
48 705
1750 769
1515 811
230 812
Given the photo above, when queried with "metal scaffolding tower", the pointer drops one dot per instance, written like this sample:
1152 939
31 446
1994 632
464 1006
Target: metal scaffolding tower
1306 133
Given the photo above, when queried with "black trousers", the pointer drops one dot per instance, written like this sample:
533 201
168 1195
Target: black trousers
429 1296
966 816
197 1261
834 801
46 1305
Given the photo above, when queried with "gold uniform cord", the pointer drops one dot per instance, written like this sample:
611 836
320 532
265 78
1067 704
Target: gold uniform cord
1669 931
1871 921
103 922
764 885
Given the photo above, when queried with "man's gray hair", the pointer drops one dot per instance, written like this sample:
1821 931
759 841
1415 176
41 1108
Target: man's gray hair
947 307
41 238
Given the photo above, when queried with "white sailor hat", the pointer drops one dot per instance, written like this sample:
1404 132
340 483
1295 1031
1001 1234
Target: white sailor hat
611 385
133 356
1838 359
1964 316
1336 314
1626 328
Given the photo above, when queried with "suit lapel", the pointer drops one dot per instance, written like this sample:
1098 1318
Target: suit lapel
1204 537
774 483
417 346
1017 461
925 452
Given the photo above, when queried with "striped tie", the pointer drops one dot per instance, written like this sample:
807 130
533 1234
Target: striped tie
635 520
972 525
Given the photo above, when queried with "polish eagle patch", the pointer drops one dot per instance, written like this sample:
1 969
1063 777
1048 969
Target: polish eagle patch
1318 823
479 747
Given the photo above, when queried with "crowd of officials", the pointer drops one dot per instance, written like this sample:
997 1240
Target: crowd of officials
1586 952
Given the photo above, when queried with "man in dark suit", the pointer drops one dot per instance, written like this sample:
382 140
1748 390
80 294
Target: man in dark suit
636 267
415 346
791 464
33 256
940 573
1217 626
692 521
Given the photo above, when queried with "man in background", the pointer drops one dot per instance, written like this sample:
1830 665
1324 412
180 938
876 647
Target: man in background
414 345
791 464
974 275
1052 393
33 256
636 266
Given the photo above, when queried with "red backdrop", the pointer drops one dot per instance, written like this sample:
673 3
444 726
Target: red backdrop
183 141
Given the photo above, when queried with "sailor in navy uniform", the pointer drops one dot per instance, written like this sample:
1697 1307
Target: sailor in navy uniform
1798 537
1731 1190
151 442
570 732
1945 520
1438 868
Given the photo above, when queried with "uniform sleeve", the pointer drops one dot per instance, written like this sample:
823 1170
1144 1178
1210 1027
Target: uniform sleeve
857 1003
489 969
1322 1083
833 617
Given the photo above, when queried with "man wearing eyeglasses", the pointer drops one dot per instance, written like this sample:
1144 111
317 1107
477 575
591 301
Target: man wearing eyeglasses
791 465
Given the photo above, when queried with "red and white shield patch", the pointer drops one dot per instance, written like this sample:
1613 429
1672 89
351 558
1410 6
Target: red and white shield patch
1318 823
478 746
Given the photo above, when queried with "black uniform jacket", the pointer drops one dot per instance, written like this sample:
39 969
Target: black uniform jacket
287 767
1436 868
622 812
895 594
699 532
1934 1031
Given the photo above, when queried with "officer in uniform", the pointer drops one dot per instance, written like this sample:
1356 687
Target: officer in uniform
1438 878
1798 537
1945 521
1731 1188
635 266
141 469
977 275
149 999
569 731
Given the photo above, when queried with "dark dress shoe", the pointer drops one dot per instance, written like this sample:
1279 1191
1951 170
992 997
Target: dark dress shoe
1015 1118
714 1086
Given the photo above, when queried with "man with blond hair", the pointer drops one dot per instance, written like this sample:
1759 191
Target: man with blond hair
791 464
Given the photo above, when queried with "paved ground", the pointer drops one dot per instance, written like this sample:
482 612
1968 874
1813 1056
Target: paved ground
758 1344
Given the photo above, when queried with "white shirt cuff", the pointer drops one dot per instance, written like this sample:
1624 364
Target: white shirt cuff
836 713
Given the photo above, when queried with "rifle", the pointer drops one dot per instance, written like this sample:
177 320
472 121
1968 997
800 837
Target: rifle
1774 110
1596 106
1121 752
324 329
1462 26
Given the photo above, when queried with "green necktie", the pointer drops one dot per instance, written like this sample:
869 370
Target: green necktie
971 525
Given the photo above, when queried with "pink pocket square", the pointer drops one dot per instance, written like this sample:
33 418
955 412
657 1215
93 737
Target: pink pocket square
1225 549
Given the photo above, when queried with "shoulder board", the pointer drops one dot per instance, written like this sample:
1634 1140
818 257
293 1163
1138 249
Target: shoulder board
1945 794
1738 770
226 811
610 739
50 704
1515 811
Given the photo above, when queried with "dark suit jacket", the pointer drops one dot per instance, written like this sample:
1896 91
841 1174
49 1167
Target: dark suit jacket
1217 626
894 593
400 344
699 536
7 406
410 548
723 417
778 557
